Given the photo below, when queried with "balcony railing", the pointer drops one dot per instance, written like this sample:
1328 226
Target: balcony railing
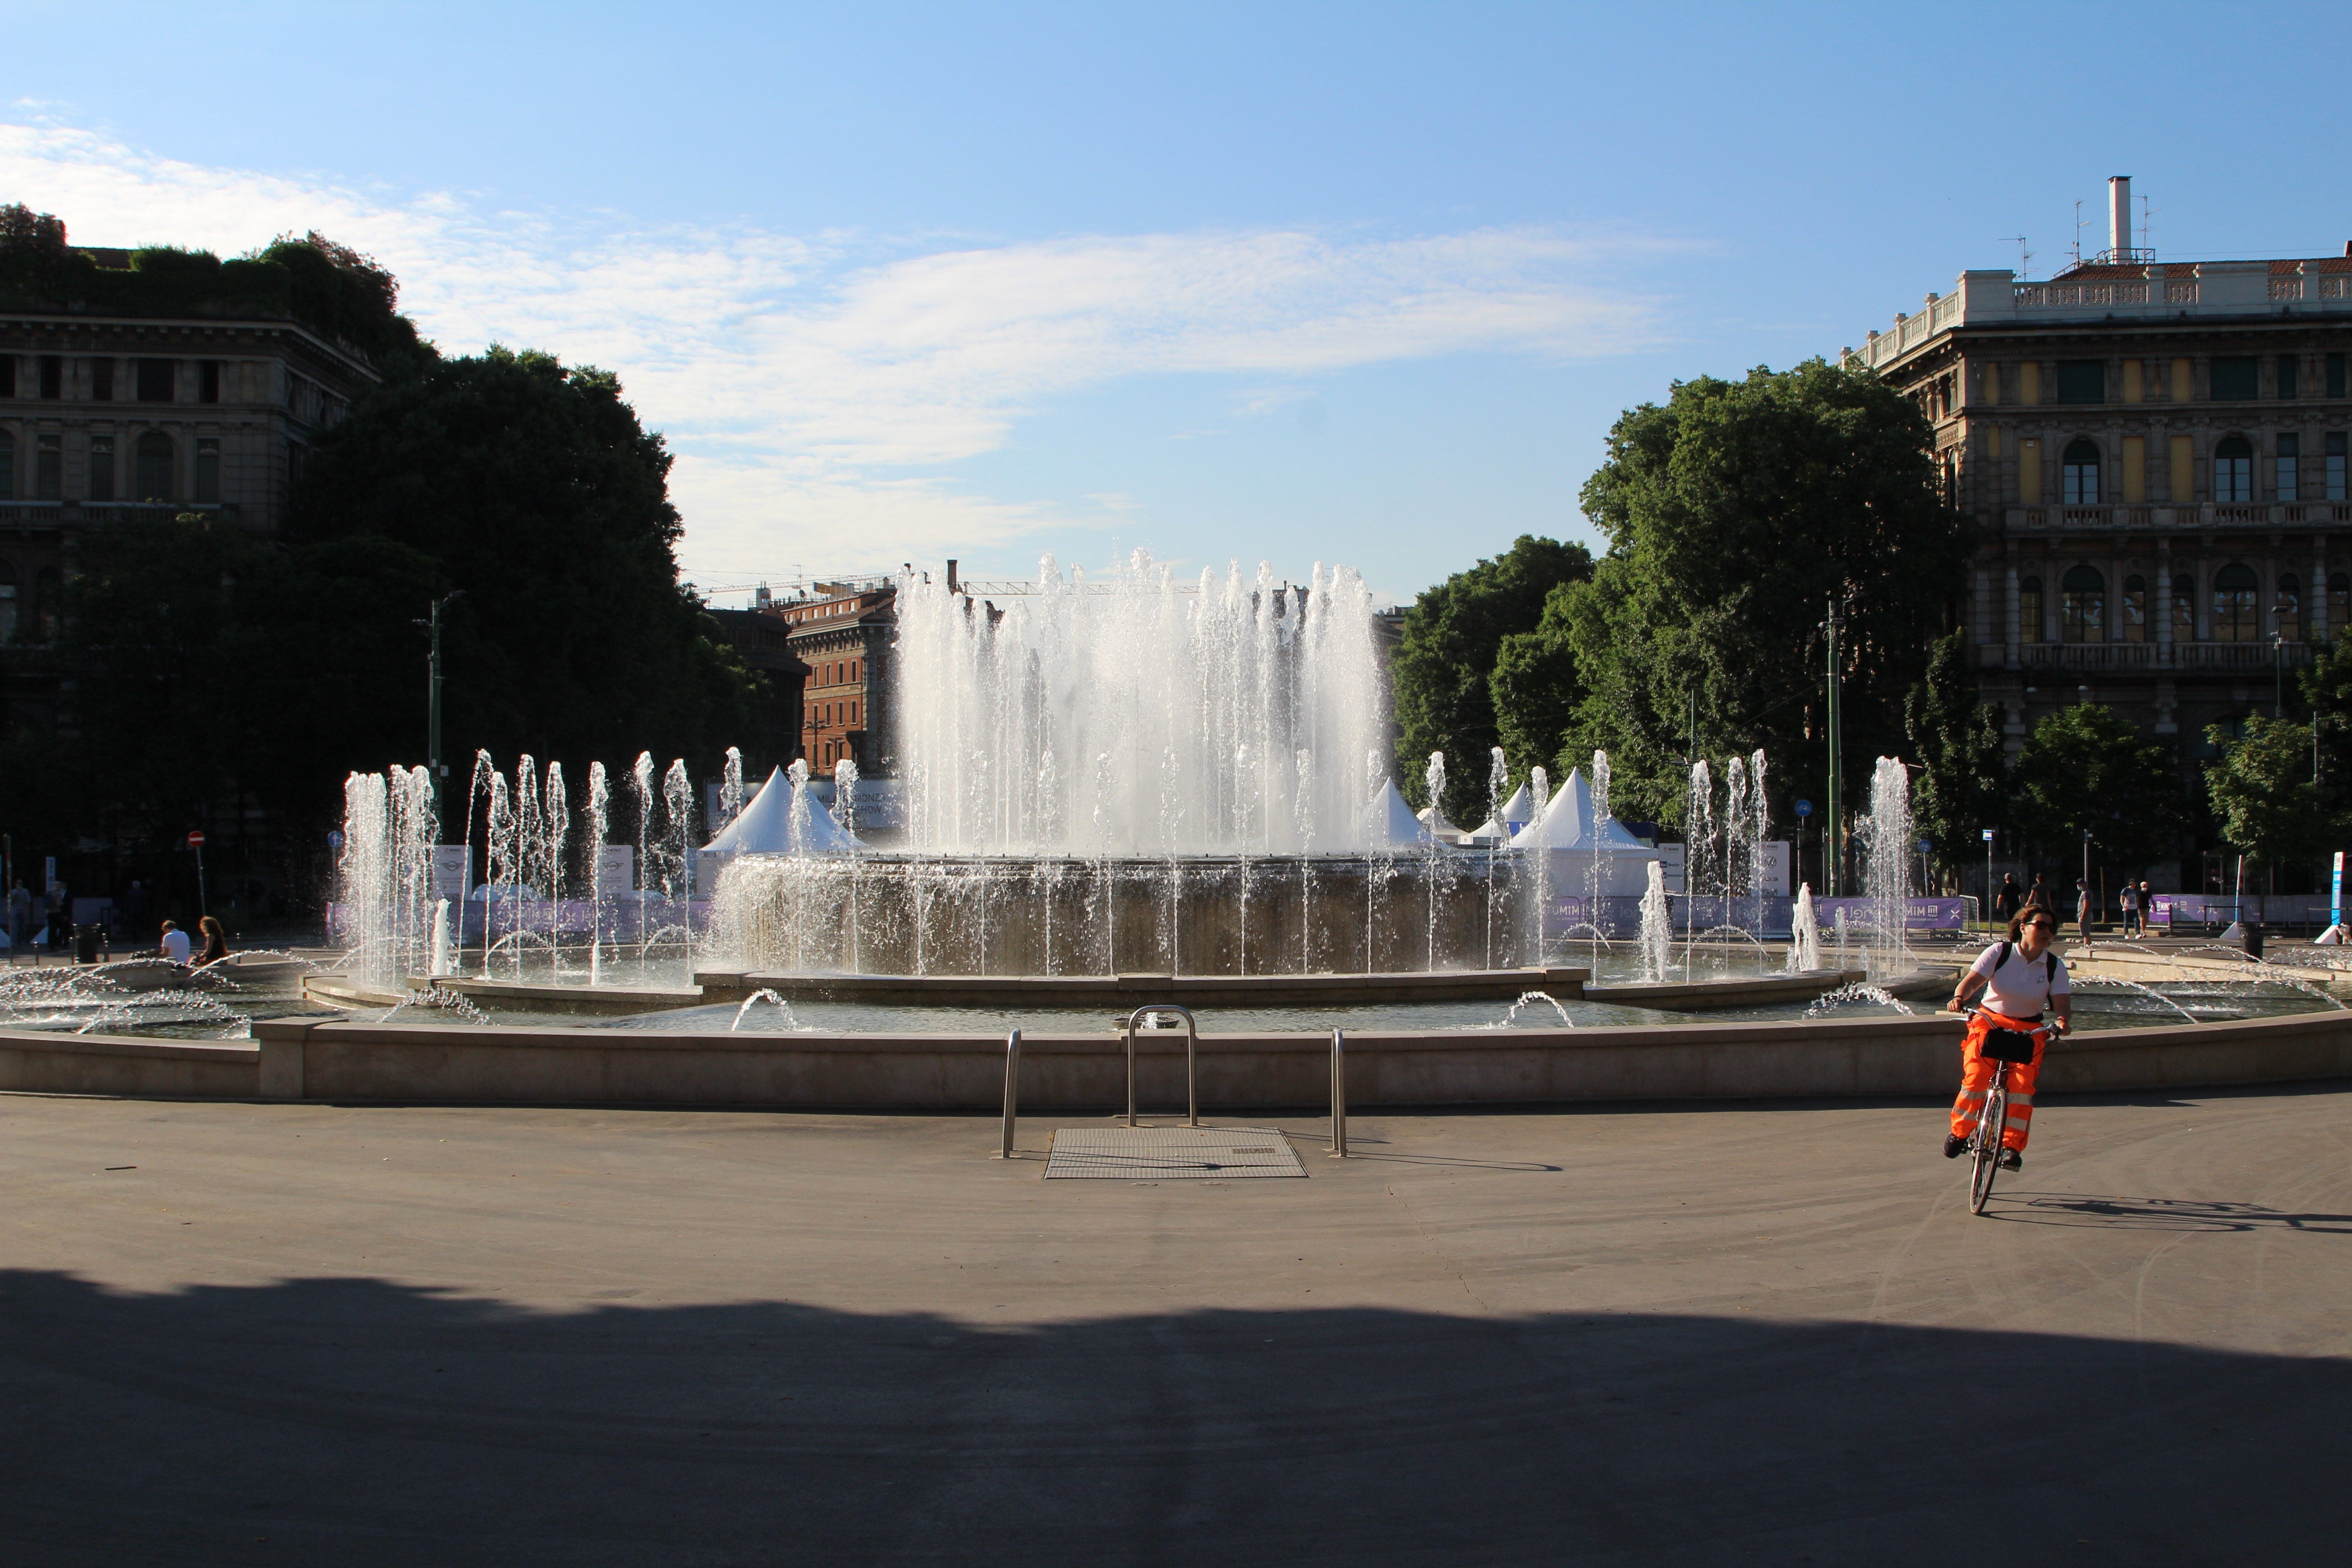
2206 515
2128 657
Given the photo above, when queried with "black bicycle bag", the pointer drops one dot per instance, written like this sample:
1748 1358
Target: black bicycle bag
2007 1046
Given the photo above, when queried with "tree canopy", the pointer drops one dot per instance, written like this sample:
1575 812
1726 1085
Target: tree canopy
2265 793
1962 788
534 490
1737 513
2086 767
1445 668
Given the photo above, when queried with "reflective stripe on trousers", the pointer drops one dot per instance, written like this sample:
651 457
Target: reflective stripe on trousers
1976 1082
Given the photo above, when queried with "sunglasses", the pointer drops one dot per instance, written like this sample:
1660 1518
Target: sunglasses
2039 925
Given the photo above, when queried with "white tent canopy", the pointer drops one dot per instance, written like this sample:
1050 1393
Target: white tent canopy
1392 823
766 825
1519 809
1569 824
1430 817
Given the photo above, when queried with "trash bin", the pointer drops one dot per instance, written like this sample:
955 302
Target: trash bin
87 941
2253 940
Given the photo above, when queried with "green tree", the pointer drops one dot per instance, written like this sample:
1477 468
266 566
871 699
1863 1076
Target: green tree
2263 791
2327 691
213 669
1963 786
535 491
1444 668
1534 688
2085 767
1735 513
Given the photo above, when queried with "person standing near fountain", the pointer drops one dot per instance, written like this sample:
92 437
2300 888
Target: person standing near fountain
2021 977
2009 900
2087 906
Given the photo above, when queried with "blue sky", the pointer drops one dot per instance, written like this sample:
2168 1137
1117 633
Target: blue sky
1359 283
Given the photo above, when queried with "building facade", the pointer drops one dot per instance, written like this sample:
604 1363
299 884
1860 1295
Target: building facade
107 417
842 631
2155 456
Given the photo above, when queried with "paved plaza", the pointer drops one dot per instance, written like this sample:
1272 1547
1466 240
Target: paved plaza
1722 1335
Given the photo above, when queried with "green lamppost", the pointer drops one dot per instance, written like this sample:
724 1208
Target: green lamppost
1833 841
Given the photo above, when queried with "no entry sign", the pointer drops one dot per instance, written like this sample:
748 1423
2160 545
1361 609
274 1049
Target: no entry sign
195 841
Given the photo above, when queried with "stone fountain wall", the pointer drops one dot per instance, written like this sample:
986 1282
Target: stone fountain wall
1287 915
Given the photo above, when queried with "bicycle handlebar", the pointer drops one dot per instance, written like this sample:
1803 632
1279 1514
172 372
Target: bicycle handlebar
2049 1025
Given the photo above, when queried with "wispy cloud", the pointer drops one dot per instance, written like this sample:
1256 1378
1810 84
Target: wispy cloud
821 390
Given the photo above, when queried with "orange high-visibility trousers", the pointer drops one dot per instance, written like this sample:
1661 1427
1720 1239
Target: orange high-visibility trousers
1976 1082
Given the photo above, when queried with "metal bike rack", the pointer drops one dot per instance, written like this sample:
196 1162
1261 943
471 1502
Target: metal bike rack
1191 1042
1011 1092
1339 1095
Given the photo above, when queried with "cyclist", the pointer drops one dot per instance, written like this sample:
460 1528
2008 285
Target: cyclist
2021 976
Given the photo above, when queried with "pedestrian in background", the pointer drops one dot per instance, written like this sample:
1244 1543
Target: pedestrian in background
174 945
2009 900
2146 907
2086 905
2039 895
2129 901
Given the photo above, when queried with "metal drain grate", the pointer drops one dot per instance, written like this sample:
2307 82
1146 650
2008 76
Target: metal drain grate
1171 1153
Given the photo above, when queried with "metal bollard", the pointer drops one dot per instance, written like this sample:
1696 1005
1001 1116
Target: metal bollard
1339 1095
1011 1092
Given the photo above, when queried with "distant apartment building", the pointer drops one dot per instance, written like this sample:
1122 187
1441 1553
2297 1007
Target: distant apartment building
842 632
2155 456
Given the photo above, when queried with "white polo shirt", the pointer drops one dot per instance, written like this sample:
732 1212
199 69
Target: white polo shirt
175 946
2023 986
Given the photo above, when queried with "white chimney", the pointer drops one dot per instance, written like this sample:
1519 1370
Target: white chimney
2119 242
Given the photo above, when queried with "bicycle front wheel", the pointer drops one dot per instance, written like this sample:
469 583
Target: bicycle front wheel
1987 1161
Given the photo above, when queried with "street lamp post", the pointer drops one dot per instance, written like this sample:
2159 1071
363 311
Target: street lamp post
433 770
1830 836
2278 676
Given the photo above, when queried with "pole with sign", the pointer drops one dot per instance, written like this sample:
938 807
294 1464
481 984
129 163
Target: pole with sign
2336 892
1804 809
196 843
1987 912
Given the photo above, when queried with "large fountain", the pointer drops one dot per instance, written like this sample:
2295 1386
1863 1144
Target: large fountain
1142 775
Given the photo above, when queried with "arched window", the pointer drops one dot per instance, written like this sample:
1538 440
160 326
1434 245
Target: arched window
2236 616
2184 607
8 602
7 465
2286 606
2233 469
2029 609
2340 603
2135 609
154 466
2082 606
2080 472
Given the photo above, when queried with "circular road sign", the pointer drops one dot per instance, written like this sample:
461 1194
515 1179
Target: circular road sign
195 841
1804 808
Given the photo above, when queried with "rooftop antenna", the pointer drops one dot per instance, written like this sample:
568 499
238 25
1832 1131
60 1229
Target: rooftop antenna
2024 256
2146 213
2078 234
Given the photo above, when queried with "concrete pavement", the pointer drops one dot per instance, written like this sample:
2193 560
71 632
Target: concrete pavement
310 1334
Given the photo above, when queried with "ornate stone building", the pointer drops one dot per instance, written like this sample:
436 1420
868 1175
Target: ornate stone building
107 415
2155 454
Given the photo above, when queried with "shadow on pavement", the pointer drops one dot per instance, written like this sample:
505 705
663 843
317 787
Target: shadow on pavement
357 1421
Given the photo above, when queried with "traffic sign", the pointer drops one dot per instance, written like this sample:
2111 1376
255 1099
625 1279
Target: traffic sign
1927 845
195 841
1988 834
1804 808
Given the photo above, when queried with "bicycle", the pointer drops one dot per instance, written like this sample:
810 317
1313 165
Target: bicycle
1984 1144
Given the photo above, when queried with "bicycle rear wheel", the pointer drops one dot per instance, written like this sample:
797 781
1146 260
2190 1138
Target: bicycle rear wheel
1987 1161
